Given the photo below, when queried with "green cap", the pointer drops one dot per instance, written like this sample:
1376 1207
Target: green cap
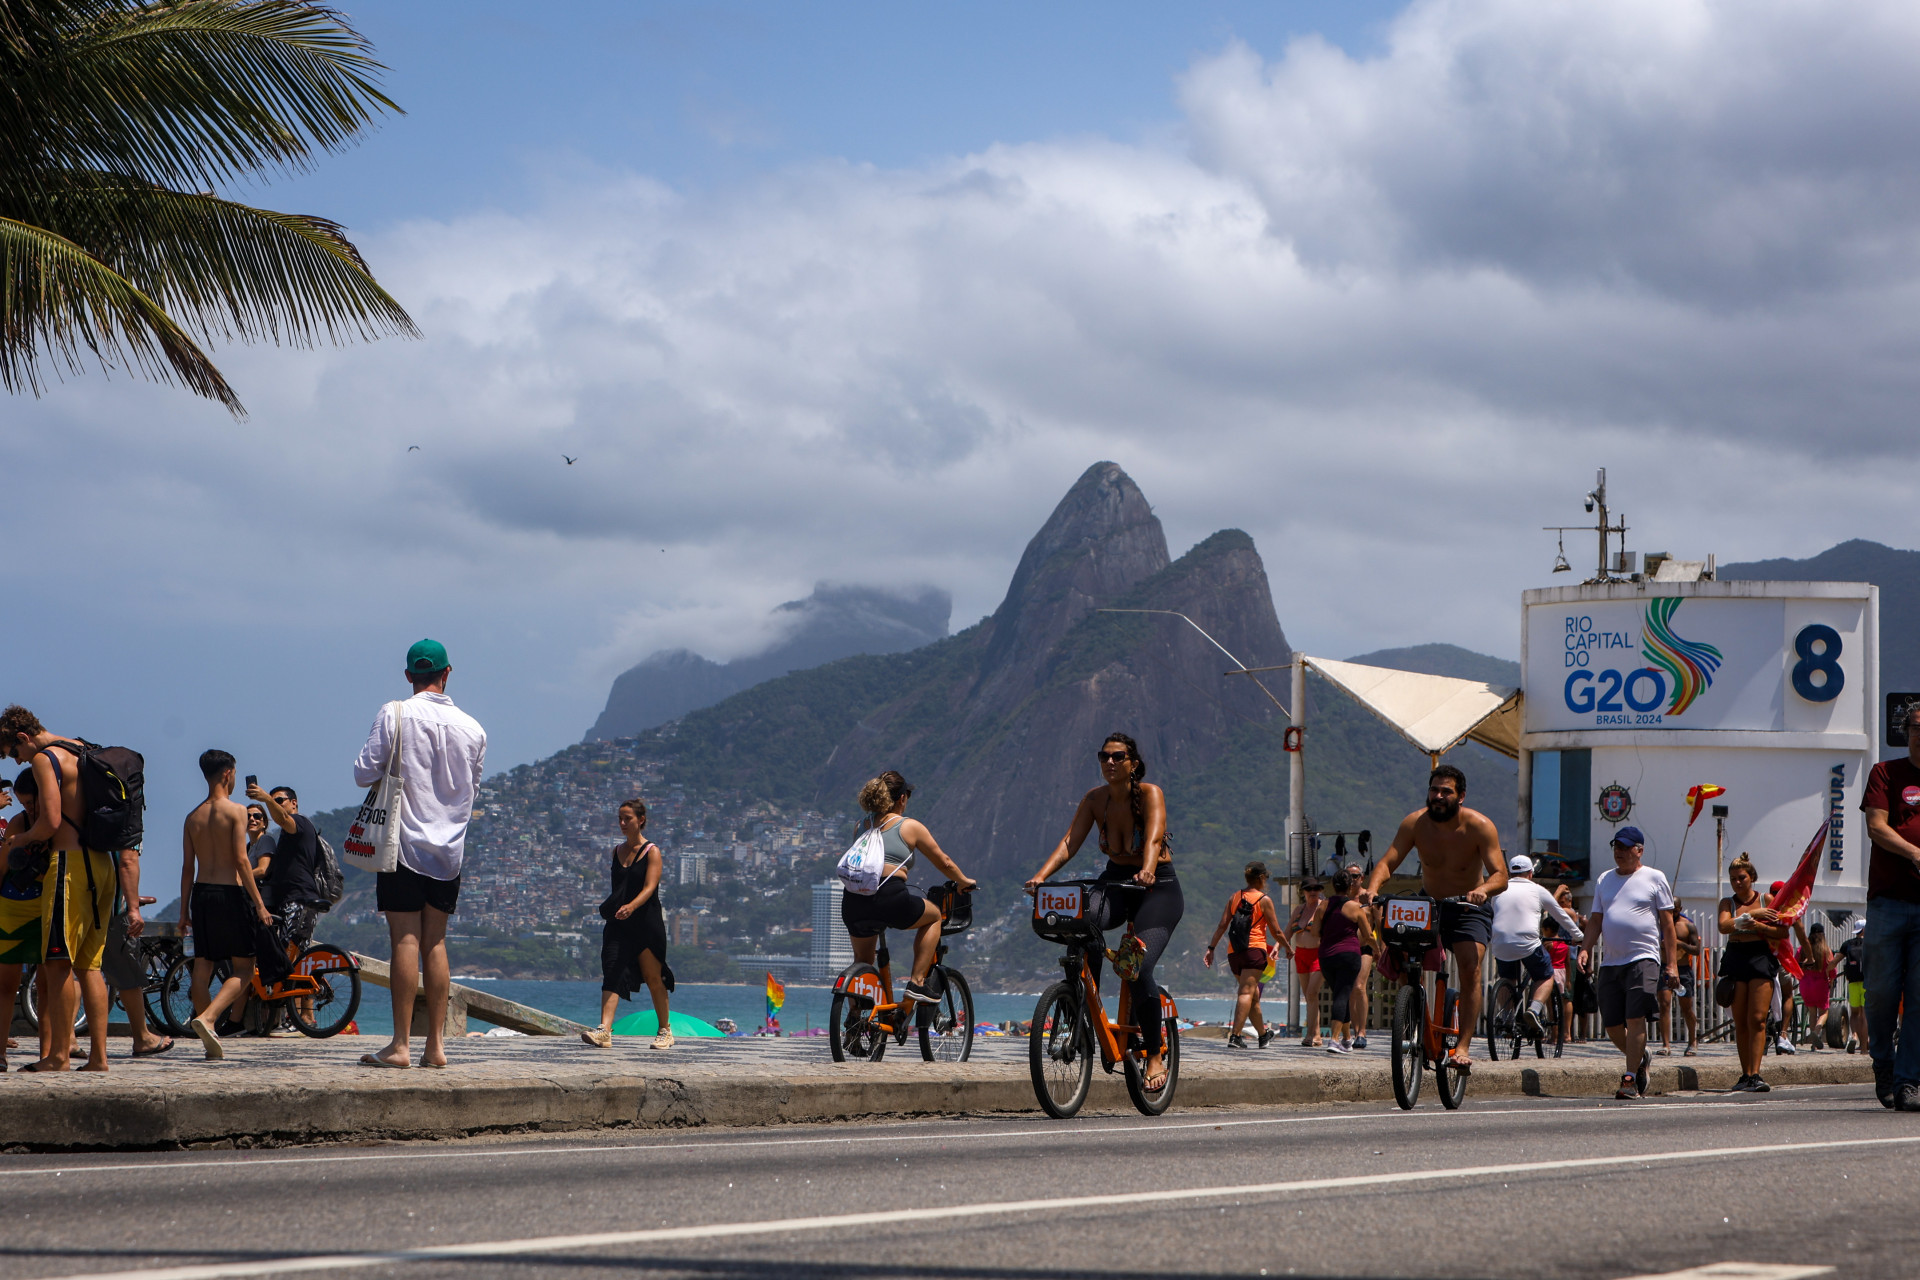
427 657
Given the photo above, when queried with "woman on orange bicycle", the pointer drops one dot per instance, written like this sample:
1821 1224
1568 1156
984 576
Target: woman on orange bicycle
1132 817
893 905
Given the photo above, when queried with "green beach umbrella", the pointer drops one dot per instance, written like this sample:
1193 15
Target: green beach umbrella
646 1023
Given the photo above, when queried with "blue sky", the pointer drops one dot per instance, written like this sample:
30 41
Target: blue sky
855 294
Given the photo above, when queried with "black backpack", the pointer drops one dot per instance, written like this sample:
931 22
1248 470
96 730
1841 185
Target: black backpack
113 796
1240 927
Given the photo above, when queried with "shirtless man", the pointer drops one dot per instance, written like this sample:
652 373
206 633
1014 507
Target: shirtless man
1303 931
1686 945
219 900
77 898
1459 856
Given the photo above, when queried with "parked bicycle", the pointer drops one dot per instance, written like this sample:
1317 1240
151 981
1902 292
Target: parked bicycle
865 1018
319 997
1508 1020
1069 1024
1422 1040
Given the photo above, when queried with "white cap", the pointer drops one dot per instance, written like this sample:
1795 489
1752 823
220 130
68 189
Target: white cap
1520 864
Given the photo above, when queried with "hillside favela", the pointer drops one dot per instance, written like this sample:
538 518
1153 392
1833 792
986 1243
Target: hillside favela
977 643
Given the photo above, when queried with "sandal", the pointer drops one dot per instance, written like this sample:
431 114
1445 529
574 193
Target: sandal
1463 1065
1154 1084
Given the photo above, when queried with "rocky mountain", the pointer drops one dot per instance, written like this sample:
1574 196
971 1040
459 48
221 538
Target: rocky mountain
834 622
1445 660
1895 572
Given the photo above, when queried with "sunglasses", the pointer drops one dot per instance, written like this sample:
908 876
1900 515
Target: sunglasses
1111 757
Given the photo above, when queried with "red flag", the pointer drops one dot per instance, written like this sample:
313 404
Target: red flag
1698 797
1791 902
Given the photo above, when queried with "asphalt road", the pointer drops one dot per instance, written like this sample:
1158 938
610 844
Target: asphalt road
1814 1176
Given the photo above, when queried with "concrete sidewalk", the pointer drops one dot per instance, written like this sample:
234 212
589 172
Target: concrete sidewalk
293 1090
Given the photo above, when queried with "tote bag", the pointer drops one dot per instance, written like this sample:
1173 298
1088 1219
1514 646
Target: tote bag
373 841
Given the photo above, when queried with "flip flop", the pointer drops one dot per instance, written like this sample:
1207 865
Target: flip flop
1463 1065
1149 1085
369 1060
153 1053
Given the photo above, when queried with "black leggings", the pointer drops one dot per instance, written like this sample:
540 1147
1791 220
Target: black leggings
1154 913
1341 970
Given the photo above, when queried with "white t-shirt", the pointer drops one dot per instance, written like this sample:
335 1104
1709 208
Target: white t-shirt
1630 908
1516 919
442 752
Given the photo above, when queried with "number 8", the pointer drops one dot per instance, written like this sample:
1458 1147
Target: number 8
1826 663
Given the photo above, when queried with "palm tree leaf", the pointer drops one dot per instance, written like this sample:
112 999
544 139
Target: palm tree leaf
56 298
180 92
224 268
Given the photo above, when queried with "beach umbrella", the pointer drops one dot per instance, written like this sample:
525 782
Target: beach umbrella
646 1023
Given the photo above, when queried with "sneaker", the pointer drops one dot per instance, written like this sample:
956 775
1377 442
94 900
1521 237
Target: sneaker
1236 1042
1337 1046
598 1037
1743 1085
1907 1098
1359 1042
1266 1036
921 992
1784 1045
1757 1085
1530 1025
664 1040
1640 1076
1627 1092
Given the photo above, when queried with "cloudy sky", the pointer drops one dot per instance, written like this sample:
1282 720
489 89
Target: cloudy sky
856 295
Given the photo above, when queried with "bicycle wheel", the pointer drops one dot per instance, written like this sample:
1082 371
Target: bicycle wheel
1060 1051
1409 1025
328 1010
850 1029
1499 1017
1452 1082
30 1002
946 1028
1153 1104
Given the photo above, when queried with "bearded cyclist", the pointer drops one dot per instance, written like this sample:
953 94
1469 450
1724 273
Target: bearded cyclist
1516 937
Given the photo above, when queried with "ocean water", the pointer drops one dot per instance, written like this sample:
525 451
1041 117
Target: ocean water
806 1006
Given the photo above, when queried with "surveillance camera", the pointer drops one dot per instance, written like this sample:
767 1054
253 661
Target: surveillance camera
1589 502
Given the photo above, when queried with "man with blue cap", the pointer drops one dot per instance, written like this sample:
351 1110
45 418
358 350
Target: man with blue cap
442 751
1633 918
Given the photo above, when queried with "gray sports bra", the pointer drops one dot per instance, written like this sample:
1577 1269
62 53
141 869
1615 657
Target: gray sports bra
900 854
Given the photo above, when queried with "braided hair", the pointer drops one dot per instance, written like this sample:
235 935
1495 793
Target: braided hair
1133 784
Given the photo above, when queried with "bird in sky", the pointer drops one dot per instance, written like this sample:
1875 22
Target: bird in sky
570 461
413 448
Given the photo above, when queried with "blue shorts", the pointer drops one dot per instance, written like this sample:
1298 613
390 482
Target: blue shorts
1538 965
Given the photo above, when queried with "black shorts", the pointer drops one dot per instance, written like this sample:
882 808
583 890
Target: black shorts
1630 990
403 889
221 916
1538 966
1254 958
891 906
1748 962
1465 922
1684 988
293 922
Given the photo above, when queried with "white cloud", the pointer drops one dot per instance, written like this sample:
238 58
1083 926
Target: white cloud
1384 314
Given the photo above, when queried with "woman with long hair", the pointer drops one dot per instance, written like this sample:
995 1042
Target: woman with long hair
1131 814
893 905
633 948
1747 963
1817 964
1345 933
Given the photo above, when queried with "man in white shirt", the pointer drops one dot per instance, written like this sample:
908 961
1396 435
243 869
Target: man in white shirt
1633 917
1516 934
442 751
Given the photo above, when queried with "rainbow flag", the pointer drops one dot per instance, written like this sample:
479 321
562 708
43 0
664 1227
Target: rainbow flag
776 999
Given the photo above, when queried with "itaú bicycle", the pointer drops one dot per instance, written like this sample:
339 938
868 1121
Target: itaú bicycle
864 1017
319 997
1069 1025
1425 1031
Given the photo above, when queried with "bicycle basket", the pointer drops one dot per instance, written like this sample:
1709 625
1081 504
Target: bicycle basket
1062 913
955 905
1412 924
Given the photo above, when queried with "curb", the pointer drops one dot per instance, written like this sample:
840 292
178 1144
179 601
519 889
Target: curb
88 1115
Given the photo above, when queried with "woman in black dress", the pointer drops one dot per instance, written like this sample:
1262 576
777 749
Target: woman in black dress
633 950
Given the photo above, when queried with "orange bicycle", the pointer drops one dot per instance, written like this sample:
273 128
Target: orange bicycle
1420 1039
320 996
864 1017
1069 1024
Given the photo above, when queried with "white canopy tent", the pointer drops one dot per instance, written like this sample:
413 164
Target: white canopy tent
1434 713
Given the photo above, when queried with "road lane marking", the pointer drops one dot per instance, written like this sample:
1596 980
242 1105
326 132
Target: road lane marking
898 1217
1592 1108
1740 1271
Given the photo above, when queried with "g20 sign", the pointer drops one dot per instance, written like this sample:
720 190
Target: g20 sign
1679 662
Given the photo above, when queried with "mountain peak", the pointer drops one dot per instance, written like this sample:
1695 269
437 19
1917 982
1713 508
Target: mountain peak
1101 541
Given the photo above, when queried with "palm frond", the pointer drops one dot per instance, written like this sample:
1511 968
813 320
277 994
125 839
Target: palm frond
57 299
224 268
190 93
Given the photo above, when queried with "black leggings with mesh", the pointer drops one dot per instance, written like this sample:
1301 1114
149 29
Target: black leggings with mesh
1154 913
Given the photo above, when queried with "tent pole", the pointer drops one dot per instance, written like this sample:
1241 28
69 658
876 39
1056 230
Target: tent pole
1297 804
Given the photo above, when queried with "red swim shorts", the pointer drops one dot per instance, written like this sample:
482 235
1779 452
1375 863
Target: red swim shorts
1306 960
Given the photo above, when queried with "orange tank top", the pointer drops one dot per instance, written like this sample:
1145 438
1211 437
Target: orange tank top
1258 936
